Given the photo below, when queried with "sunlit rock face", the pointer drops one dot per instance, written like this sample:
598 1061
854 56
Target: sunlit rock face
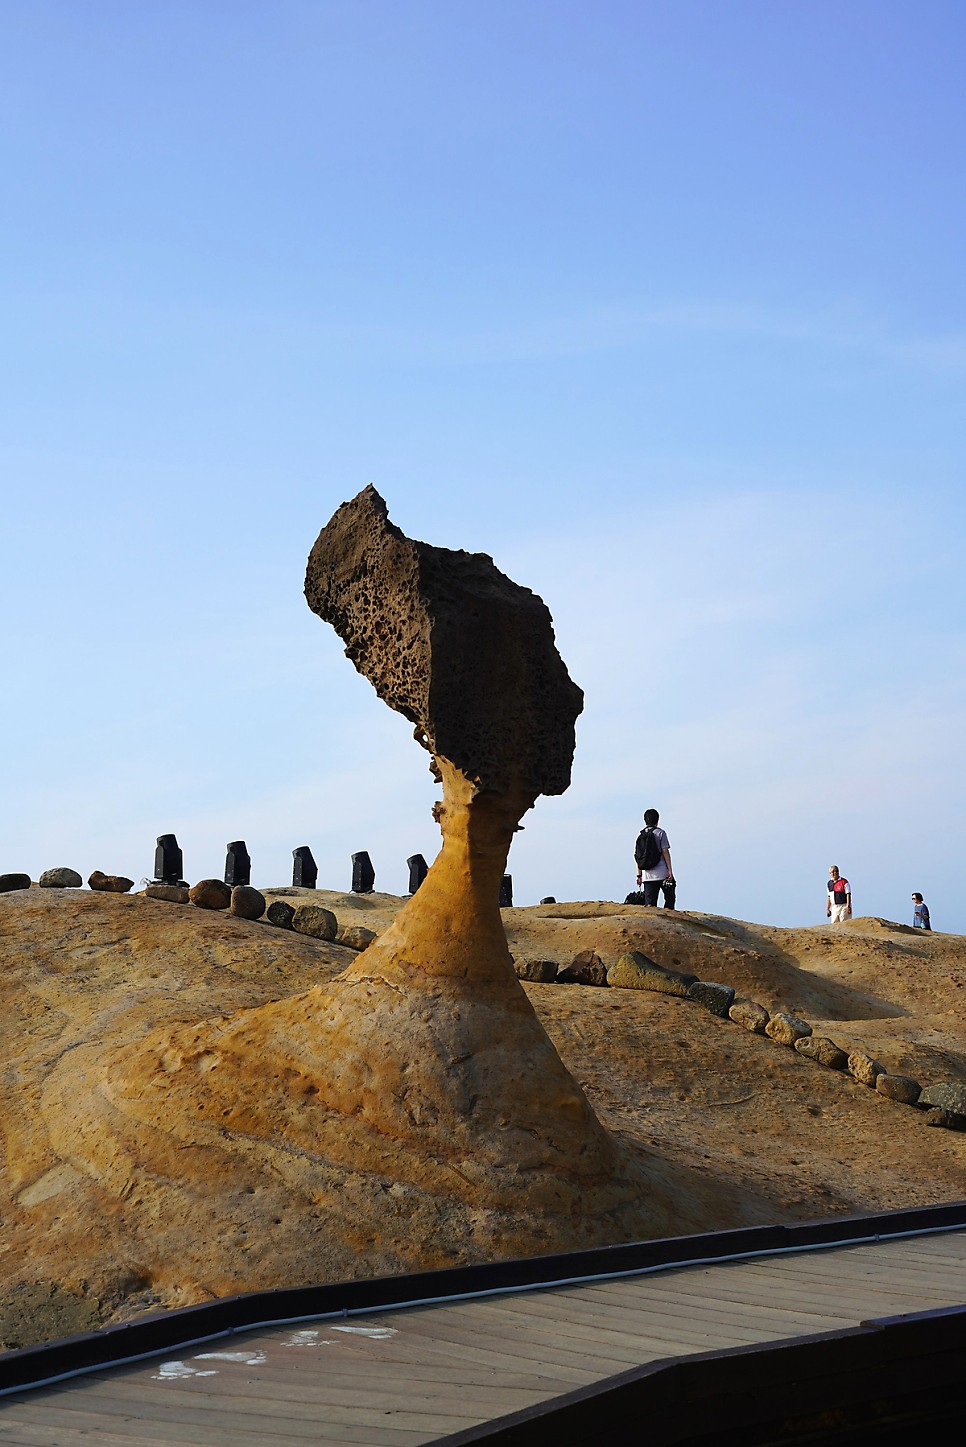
413 1105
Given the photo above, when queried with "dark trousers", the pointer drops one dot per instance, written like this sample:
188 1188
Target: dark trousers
652 889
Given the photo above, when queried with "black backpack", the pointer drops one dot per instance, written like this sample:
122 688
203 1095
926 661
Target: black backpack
647 851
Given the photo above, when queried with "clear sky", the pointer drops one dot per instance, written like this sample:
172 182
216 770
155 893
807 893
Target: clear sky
658 302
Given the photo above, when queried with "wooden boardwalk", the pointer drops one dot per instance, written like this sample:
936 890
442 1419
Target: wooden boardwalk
409 1376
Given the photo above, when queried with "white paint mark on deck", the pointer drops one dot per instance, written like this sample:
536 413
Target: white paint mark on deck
172 1371
250 1359
378 1333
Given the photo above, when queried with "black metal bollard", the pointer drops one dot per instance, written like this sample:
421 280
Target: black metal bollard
168 860
418 870
238 864
363 874
305 871
506 891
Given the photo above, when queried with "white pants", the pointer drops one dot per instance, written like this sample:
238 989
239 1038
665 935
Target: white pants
840 912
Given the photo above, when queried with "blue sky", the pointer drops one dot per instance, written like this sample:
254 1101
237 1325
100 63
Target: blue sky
660 304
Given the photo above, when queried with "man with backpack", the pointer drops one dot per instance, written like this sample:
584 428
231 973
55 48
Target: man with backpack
652 854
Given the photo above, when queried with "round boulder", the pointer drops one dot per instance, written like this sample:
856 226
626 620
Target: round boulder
316 921
210 894
61 878
247 902
9 882
280 914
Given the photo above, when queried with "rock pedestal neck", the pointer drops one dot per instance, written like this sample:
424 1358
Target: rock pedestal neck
422 1068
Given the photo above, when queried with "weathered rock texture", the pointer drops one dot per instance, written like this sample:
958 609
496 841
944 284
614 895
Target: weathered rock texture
787 1029
314 920
823 1050
750 1014
60 878
716 998
452 644
247 902
634 971
10 882
422 1067
110 883
730 1129
210 894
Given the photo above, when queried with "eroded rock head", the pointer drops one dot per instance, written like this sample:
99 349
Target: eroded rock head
454 645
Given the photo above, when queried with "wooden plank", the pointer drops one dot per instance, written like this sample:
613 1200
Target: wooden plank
409 1363
654 1314
476 1332
254 1397
907 1279
174 1402
810 1301
847 1265
538 1344
214 1431
627 1305
430 1349
46 1435
768 1290
408 1371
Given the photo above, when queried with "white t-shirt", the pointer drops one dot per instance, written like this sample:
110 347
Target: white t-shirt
660 868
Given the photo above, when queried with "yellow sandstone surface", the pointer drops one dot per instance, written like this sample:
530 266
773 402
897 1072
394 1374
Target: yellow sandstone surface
117 1196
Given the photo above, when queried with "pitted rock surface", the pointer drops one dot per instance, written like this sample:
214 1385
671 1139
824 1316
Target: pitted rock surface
315 920
634 970
718 999
946 1097
60 878
787 1029
451 643
280 914
750 1014
864 1069
218 1208
822 1050
901 1088
355 936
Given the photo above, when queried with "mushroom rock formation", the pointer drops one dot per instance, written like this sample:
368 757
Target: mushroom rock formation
421 1069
